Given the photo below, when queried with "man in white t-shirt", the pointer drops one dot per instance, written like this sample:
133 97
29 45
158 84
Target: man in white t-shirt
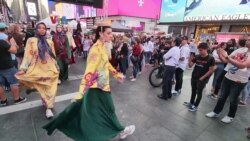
236 78
171 59
182 65
193 48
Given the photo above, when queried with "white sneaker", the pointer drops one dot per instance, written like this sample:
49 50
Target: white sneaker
174 92
227 119
49 114
124 76
132 80
212 115
131 77
59 82
129 130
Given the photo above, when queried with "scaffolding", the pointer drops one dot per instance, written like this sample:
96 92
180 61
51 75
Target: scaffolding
5 13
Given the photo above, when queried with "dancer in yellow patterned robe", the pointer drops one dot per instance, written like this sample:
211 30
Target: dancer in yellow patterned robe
39 68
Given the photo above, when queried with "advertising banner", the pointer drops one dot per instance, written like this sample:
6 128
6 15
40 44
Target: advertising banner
224 37
172 10
204 10
134 8
72 11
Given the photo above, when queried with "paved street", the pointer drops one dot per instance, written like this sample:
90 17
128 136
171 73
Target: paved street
136 103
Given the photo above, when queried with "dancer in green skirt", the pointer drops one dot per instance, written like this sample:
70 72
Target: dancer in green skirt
91 117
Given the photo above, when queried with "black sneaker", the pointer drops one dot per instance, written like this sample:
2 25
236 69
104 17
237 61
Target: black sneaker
20 100
162 97
4 103
193 109
187 104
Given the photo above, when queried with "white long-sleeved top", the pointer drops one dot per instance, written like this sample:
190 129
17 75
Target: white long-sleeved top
171 58
185 53
148 47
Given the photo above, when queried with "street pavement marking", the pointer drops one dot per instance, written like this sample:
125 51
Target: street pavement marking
75 77
37 103
32 104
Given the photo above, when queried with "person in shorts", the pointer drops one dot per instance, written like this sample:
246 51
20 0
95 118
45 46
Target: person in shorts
7 73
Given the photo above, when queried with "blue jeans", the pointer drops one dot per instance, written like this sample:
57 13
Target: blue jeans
8 76
147 57
245 92
217 73
135 69
232 90
85 54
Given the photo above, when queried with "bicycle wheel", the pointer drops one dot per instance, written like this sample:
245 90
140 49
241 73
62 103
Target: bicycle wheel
154 78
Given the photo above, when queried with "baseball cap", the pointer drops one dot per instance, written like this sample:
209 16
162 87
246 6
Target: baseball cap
3 25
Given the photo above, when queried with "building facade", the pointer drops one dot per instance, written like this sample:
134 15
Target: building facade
202 19
140 15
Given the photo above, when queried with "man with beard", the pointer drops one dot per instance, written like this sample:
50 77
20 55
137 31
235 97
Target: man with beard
231 46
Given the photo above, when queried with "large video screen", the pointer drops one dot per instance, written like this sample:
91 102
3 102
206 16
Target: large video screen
72 11
134 8
173 11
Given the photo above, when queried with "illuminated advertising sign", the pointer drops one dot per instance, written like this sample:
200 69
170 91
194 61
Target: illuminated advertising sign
172 10
204 10
72 11
224 37
31 9
134 8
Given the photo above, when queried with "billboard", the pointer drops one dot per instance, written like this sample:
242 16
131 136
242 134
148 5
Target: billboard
72 11
224 37
94 3
204 10
134 8
172 10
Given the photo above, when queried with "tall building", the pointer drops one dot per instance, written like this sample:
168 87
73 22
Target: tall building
28 10
6 15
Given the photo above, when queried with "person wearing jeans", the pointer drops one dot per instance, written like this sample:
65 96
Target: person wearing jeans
219 71
204 67
234 81
218 85
229 89
135 58
245 94
123 56
148 50
171 59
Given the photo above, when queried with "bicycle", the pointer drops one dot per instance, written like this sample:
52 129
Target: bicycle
156 76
